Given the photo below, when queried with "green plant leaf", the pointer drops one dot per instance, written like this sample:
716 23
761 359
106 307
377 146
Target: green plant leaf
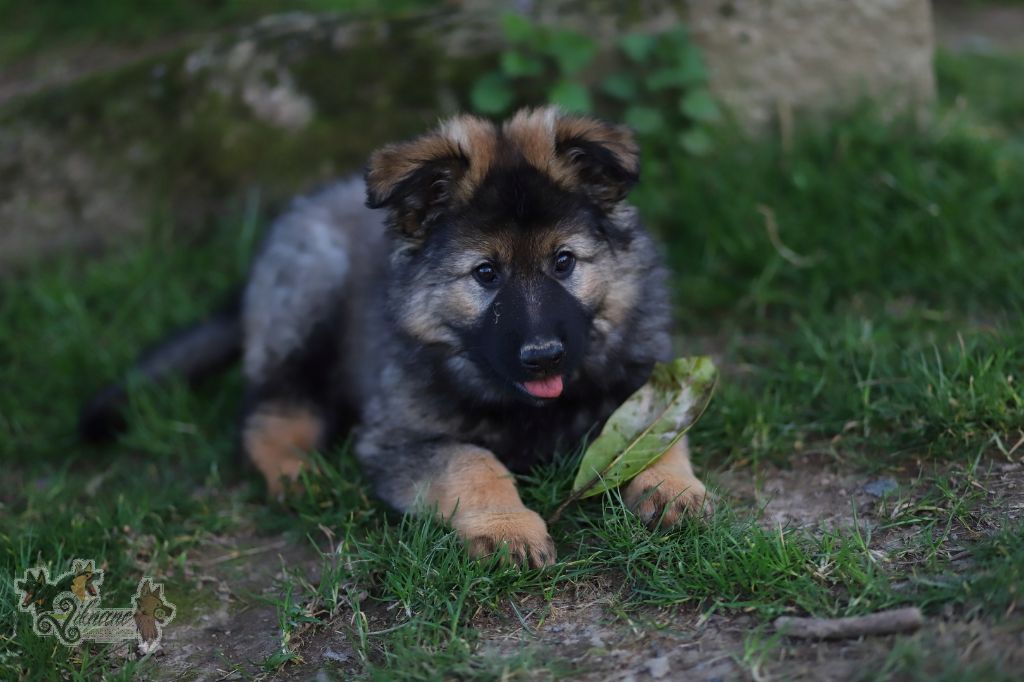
571 50
517 29
492 94
645 426
696 142
678 37
662 79
700 106
570 96
620 85
643 119
638 46
671 45
517 65
691 67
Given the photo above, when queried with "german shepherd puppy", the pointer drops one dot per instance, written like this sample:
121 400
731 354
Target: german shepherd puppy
502 304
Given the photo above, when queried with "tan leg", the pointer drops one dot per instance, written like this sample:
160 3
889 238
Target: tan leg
477 495
276 438
669 486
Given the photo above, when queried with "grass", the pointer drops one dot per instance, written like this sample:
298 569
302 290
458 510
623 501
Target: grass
862 285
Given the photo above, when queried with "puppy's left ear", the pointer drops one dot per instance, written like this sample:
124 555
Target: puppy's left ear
604 157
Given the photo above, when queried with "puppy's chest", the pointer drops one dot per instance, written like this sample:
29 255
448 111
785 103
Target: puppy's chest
523 436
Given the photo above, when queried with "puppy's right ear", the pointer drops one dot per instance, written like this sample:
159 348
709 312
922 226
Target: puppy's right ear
418 180
414 181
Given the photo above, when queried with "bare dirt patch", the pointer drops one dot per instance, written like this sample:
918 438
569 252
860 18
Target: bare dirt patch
809 494
582 636
228 629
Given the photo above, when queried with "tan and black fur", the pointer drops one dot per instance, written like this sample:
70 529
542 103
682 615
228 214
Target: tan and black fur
500 256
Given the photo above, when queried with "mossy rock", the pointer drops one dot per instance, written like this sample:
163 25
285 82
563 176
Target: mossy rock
272 109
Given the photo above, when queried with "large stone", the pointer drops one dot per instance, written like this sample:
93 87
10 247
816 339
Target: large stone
771 60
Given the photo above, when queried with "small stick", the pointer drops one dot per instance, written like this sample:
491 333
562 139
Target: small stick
239 553
881 623
772 228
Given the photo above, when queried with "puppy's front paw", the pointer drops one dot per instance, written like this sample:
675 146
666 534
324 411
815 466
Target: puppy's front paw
276 439
659 496
523 532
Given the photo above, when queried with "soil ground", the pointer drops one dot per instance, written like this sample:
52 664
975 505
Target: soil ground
583 635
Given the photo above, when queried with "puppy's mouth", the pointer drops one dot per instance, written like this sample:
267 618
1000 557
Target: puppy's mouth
547 388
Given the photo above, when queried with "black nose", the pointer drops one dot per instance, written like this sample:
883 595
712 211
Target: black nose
542 356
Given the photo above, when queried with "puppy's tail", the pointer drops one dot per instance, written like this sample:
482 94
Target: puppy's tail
192 353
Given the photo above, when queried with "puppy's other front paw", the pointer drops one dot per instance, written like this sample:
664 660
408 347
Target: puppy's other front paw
523 532
663 497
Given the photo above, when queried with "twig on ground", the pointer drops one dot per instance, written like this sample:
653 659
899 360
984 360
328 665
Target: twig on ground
881 623
239 553
1015 447
788 254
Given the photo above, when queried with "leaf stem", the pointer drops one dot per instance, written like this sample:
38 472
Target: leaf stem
573 496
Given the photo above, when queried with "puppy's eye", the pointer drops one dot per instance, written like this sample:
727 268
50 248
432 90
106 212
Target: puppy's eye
564 263
487 275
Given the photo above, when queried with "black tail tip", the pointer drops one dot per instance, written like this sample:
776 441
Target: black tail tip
102 418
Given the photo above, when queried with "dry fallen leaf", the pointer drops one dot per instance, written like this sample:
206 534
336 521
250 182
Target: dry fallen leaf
645 426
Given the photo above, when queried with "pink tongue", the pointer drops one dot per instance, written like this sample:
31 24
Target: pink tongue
544 388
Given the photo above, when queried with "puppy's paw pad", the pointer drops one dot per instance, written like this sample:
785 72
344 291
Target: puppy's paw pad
523 534
664 499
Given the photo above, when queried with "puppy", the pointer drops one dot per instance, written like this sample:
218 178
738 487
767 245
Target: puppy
477 304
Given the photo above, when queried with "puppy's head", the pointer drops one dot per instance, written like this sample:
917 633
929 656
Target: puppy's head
511 245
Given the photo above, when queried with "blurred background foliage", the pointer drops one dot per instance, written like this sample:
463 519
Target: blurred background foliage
655 83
